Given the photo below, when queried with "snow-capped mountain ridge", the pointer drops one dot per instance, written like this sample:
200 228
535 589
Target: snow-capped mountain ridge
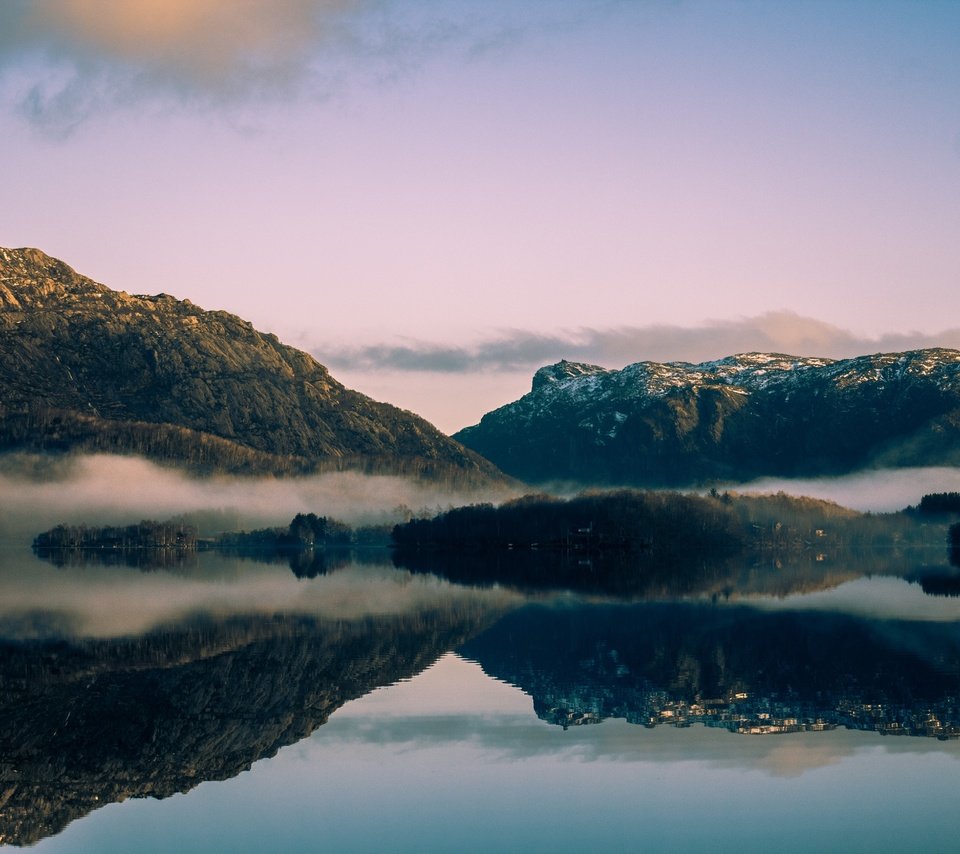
748 371
743 415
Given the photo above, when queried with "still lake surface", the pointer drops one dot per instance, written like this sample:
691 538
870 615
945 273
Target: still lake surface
226 704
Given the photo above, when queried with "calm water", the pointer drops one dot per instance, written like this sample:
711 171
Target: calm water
230 705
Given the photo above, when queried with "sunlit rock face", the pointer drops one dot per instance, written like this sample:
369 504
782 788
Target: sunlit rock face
745 416
83 367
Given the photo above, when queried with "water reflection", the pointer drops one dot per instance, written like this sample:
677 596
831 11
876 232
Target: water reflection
648 576
735 668
118 684
303 563
87 722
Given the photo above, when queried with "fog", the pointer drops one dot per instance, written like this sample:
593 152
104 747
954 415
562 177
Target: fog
38 493
869 491
876 491
37 599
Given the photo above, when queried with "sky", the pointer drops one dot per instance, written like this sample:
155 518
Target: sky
436 197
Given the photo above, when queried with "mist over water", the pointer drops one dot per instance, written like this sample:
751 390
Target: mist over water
113 490
38 493
869 491
39 600
224 659
875 491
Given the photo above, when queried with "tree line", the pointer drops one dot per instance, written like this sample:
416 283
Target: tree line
146 534
666 522
306 531
624 520
940 502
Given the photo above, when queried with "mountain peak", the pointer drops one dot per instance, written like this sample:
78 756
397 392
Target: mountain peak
736 418
83 367
561 371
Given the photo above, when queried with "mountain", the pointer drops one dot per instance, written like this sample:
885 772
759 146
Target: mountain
83 367
738 418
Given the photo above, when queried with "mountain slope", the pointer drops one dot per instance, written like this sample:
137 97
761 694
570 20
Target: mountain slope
737 418
84 367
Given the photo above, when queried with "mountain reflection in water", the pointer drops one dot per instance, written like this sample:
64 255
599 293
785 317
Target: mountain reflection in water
86 721
156 704
737 668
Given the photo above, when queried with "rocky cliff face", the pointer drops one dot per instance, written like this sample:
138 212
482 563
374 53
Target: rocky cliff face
734 419
83 367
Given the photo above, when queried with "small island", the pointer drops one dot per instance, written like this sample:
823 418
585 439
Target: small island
310 543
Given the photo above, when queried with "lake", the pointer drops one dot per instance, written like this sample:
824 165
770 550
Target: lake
227 704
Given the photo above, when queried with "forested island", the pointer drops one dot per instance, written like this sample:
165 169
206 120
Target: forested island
654 544
663 522
541 538
310 543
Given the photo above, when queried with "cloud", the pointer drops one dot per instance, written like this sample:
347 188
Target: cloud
520 350
200 39
63 61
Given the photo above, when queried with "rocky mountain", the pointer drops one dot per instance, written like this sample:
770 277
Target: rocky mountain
733 419
83 367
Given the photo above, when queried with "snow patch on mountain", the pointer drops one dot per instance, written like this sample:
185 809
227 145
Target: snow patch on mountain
746 373
600 394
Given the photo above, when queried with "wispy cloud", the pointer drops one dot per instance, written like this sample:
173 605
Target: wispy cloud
519 350
63 61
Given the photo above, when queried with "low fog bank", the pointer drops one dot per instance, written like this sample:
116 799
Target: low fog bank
38 493
874 491
869 491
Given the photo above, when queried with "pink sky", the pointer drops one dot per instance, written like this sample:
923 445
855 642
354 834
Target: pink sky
356 174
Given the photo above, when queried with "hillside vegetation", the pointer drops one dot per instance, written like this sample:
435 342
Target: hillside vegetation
86 368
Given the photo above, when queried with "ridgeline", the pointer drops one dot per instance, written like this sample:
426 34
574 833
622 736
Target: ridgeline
87 369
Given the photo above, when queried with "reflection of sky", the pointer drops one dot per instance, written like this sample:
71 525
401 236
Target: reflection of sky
99 601
37 598
455 701
454 761
878 598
